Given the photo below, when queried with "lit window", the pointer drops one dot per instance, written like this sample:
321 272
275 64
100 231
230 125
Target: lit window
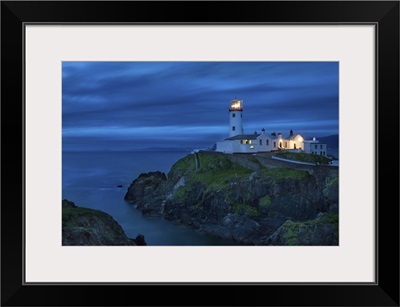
233 128
251 147
233 115
285 144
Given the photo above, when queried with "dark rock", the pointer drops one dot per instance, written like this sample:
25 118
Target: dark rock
140 240
67 203
321 231
234 227
238 197
148 192
84 226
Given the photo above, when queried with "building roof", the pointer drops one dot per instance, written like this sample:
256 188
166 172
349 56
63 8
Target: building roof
244 137
314 142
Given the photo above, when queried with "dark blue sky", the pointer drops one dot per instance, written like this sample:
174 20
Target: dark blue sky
139 105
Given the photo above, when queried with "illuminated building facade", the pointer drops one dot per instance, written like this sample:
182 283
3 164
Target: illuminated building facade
239 142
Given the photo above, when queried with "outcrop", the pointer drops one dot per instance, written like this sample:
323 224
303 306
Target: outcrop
84 226
251 199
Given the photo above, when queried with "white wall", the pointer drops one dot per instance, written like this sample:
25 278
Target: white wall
264 146
245 148
225 146
298 141
316 148
235 146
235 120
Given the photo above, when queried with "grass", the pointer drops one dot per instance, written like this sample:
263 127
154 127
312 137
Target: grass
217 171
220 179
183 166
285 173
303 157
70 215
294 229
180 193
265 201
291 235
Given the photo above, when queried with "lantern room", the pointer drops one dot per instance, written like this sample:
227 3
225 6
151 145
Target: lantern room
236 105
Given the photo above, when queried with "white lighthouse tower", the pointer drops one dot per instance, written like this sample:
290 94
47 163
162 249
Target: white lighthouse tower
235 117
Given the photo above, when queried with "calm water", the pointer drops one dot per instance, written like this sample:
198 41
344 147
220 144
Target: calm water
90 179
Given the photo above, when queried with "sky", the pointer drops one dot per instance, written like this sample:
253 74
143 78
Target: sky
184 105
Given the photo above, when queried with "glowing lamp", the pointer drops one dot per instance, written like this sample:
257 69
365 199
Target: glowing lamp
236 105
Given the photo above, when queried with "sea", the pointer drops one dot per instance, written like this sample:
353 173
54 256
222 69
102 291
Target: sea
333 152
92 180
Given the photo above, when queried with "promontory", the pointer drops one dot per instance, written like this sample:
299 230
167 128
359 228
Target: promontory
252 199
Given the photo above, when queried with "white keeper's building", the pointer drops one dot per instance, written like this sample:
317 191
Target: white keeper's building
239 142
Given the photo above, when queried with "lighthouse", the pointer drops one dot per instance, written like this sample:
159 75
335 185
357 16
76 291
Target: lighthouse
238 142
235 118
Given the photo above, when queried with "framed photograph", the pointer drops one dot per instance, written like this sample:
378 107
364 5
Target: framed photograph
189 172
243 146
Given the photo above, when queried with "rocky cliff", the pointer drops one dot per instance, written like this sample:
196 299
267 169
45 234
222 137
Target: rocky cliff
83 226
251 199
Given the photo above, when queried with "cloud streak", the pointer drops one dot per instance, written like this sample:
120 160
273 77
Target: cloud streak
109 105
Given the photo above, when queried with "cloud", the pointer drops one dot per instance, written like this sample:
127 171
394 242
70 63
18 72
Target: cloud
103 101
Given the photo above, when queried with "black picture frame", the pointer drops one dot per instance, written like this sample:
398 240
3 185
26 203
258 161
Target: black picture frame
383 14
